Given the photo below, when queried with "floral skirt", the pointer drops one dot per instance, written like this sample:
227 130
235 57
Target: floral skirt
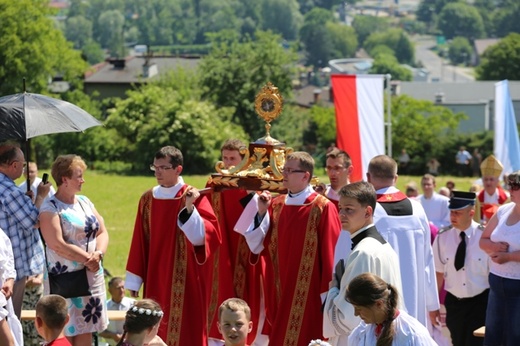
87 314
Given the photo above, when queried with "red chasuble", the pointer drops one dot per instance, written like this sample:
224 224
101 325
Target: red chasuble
175 273
487 210
299 254
234 275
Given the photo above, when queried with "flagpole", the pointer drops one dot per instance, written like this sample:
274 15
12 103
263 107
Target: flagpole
389 115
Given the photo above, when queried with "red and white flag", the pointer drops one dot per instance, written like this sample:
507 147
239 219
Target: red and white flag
360 123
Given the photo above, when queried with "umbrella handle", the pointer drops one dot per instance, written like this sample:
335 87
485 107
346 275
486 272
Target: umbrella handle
27 159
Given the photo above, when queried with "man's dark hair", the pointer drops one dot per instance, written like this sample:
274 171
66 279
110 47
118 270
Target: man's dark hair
340 154
361 191
8 152
171 152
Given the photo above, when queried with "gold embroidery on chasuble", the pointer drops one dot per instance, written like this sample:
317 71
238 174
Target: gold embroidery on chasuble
308 258
241 266
180 265
146 210
273 246
216 203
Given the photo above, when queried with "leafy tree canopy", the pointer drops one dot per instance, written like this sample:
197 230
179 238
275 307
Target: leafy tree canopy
388 64
397 40
502 60
343 39
429 9
168 113
325 39
460 50
32 47
461 19
282 17
233 73
420 126
366 25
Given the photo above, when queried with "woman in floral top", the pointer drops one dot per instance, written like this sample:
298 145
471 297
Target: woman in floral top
76 237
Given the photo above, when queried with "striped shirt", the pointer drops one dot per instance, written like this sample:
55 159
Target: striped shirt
18 215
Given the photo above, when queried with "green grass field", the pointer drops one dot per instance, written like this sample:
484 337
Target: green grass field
116 199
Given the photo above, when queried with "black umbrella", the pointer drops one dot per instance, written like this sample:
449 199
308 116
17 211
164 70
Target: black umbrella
26 115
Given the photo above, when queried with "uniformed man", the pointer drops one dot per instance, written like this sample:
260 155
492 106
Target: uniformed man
464 269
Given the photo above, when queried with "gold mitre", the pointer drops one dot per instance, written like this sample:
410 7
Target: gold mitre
491 167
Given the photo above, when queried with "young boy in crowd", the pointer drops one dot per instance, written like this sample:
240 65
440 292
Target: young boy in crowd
51 317
234 321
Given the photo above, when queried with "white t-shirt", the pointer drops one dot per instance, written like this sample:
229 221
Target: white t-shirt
408 332
510 235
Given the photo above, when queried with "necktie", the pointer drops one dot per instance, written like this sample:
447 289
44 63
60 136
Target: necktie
461 252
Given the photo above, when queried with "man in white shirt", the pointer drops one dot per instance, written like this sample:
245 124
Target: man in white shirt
464 268
31 171
118 302
463 159
339 167
435 205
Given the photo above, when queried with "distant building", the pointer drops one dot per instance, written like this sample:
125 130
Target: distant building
62 6
475 99
351 66
114 77
311 95
479 47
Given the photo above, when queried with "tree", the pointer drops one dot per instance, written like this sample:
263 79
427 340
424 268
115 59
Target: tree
251 14
318 47
500 17
171 113
397 40
366 25
309 5
388 64
316 37
32 47
78 30
323 126
112 37
502 60
315 18
404 49
233 73
282 17
92 52
343 39
422 128
460 50
290 127
460 19
429 9
506 20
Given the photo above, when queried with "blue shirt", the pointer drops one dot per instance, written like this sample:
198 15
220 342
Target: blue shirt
18 215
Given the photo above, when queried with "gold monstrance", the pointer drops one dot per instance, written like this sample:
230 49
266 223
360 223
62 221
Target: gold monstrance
263 161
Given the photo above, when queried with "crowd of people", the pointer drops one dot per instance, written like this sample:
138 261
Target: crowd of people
353 263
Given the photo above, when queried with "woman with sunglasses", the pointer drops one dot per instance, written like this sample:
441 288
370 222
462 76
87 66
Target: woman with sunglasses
501 241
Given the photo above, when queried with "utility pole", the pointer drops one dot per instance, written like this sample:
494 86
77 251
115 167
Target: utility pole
389 115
